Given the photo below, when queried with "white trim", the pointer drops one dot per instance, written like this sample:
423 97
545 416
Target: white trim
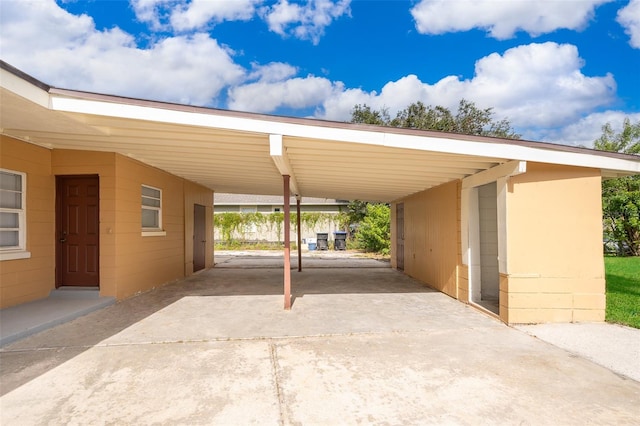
22 216
369 137
499 174
154 233
13 255
24 89
470 226
152 208
474 247
502 187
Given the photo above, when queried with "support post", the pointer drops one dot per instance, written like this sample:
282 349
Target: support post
299 234
287 243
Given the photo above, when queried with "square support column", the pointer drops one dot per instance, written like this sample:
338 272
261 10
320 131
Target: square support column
287 243
299 235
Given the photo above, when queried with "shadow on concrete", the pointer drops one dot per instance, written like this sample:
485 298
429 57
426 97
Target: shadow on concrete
32 356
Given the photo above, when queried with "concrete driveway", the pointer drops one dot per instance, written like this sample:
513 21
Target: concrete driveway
363 344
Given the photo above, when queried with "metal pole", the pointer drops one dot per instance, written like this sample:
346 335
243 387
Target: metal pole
299 235
287 244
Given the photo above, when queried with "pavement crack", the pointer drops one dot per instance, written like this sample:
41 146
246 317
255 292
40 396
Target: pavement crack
273 354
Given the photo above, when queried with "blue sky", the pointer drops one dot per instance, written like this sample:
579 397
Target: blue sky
558 70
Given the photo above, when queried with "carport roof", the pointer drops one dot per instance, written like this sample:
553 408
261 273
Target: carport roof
238 152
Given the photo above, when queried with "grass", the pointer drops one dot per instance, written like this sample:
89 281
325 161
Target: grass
623 290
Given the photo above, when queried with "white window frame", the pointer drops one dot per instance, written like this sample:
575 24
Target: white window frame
152 231
19 251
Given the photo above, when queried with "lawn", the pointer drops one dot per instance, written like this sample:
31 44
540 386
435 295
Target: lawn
623 290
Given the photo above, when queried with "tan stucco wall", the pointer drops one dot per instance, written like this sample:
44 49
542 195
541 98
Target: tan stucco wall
431 249
554 237
23 280
129 262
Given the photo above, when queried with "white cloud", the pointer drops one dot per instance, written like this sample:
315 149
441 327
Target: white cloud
502 19
153 12
199 13
304 21
534 85
272 72
587 129
629 18
267 96
67 51
183 15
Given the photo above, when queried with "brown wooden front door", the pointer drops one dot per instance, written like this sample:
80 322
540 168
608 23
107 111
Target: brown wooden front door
78 231
199 237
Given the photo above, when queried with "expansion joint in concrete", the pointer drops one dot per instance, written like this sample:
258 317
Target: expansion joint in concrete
273 353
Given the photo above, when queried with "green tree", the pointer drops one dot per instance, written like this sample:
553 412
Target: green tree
374 234
468 119
621 196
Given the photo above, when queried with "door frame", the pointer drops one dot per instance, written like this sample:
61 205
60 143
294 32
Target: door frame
58 226
470 226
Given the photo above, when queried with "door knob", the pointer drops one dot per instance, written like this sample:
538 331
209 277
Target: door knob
63 240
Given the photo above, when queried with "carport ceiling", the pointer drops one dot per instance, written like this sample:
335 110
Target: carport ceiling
230 151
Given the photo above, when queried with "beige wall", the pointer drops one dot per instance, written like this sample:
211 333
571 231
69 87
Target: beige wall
554 240
23 280
129 262
431 252
555 267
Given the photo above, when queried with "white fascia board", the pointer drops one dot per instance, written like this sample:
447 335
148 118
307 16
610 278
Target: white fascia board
24 89
366 137
512 152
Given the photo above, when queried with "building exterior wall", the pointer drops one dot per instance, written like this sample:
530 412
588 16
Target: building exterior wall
129 262
23 280
555 257
555 265
70 162
431 252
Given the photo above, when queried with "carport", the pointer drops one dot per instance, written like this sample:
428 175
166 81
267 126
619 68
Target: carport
436 180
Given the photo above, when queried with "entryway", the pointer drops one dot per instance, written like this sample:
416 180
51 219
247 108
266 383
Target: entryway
78 231
485 275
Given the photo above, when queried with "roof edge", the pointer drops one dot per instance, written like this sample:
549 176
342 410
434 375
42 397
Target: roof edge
21 74
85 95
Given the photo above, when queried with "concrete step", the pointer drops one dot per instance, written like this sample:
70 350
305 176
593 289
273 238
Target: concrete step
62 305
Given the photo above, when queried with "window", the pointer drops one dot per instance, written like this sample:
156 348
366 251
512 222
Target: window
151 208
12 215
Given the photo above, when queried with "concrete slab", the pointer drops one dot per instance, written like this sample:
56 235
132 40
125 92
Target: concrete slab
360 346
61 306
312 260
191 383
613 346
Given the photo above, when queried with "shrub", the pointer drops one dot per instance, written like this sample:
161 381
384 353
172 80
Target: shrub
374 234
